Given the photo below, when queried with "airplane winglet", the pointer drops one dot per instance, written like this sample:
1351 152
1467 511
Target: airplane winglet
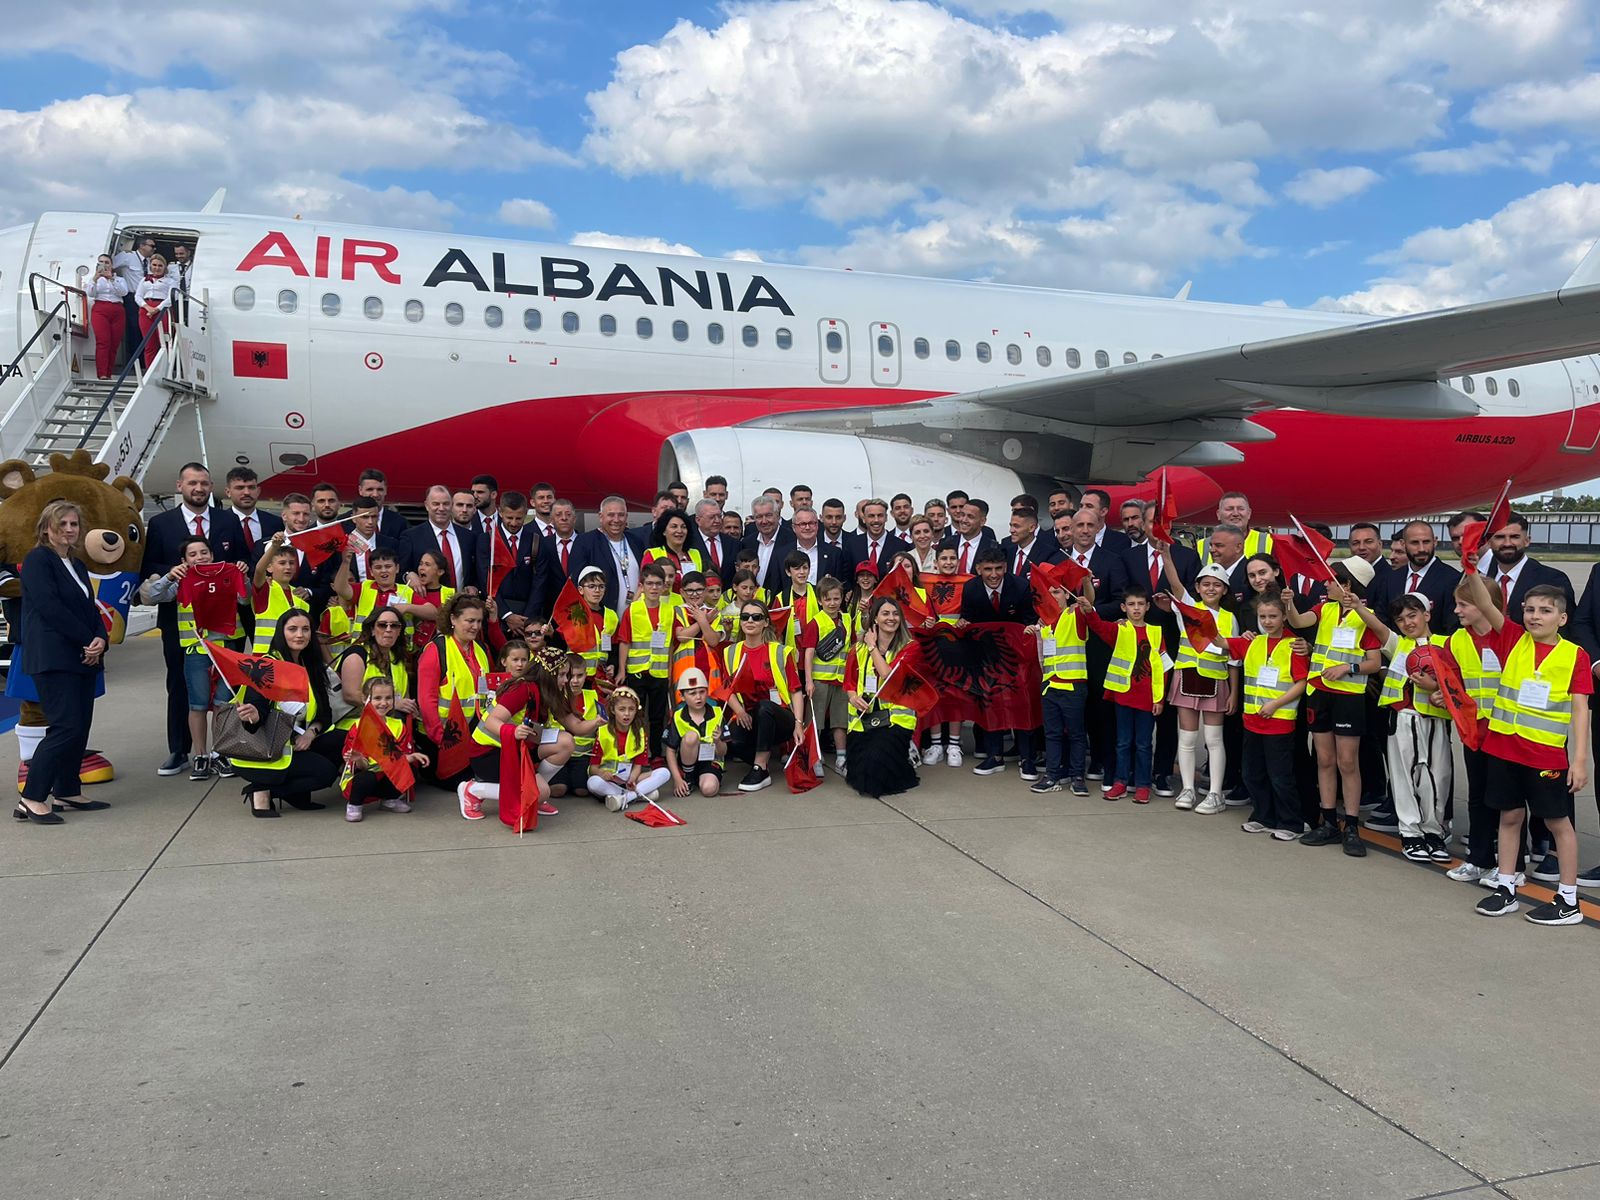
1183 292
214 205
1588 270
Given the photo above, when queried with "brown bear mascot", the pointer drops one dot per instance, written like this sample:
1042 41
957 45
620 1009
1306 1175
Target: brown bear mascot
112 547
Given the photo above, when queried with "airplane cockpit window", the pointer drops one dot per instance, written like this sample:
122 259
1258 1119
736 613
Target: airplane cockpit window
608 324
833 342
784 338
1014 354
414 311
494 316
288 301
330 304
1043 355
569 322
244 298
1128 356
680 331
920 347
749 336
454 314
372 308
952 350
1102 359
1491 386
1072 358
714 334
983 352
645 328
531 320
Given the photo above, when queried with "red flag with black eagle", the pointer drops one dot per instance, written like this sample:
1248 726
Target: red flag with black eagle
320 543
575 619
1311 552
1474 533
519 783
800 768
1453 694
944 593
1044 576
378 742
1166 512
734 680
455 744
1199 624
986 672
898 587
907 688
272 677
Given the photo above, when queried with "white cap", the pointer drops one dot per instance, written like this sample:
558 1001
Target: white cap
1212 571
588 571
1360 570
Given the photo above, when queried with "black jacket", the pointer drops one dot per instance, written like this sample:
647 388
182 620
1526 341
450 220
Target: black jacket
1016 602
58 619
419 539
166 532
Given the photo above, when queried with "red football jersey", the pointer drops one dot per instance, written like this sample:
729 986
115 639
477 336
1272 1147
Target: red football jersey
213 591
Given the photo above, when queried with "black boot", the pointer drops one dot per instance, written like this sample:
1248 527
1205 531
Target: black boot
1325 834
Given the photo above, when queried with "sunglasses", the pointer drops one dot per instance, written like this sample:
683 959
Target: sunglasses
388 625
756 617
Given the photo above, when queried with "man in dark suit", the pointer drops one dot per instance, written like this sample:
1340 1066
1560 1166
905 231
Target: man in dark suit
523 566
1423 572
456 544
875 543
1076 533
969 533
391 524
610 549
765 536
994 596
318 580
164 537
1098 501
563 537
1027 547
1514 571
805 536
705 535
243 489
363 523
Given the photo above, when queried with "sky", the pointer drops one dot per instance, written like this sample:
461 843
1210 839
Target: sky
1376 155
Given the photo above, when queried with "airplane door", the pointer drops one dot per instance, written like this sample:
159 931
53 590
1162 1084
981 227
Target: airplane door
63 246
885 354
1584 433
833 350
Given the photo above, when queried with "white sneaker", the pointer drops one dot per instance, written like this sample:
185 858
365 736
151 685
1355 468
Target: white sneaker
933 754
1467 873
1213 803
818 769
838 763
397 804
654 797
1254 827
1492 879
1185 799
617 801
952 756
353 812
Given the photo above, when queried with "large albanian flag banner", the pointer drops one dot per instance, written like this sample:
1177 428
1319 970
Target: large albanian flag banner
988 673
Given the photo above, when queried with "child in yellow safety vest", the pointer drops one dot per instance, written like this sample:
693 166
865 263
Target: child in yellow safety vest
362 781
272 592
1476 648
1421 762
645 654
584 719
1136 682
1537 744
694 625
825 646
1064 666
1206 685
1275 665
694 743
592 587
944 598
619 768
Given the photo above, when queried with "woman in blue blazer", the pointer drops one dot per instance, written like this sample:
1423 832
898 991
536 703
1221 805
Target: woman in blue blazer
63 643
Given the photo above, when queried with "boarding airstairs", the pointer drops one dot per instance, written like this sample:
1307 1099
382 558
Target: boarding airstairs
51 402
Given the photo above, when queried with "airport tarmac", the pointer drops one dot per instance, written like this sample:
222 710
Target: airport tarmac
965 991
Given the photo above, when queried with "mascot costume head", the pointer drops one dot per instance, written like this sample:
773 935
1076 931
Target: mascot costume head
112 547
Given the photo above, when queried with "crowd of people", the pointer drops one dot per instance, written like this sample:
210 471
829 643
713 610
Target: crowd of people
1205 675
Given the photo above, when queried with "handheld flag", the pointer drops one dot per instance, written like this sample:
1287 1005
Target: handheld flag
519 786
897 586
733 680
455 746
272 677
1066 574
800 770
320 543
655 816
1314 550
908 689
944 593
1166 512
575 620
378 742
1474 533
780 620
494 544
1457 700
1199 624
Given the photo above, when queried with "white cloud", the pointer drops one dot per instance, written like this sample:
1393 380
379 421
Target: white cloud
744 256
1484 156
1573 104
618 241
533 214
1530 245
1318 187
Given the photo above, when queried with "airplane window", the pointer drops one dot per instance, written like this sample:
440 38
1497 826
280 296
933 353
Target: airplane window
680 331
644 327
493 317
288 301
414 311
1102 359
1013 354
714 334
372 307
531 319
749 336
1490 386
330 305
920 347
608 324
1513 387
569 322
784 339
1128 356
1072 358
1153 357
244 298
1467 385
885 346
833 341
1043 355
983 352
454 314
952 350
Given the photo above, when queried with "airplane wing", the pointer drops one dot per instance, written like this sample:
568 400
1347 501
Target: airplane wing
1184 410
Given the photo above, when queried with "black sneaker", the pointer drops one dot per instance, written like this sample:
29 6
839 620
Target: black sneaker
1236 797
1046 784
1078 787
201 767
1326 834
1028 771
1546 870
1498 903
755 781
222 766
1415 849
1353 845
1557 912
1589 877
1382 820
173 765
1095 771
1437 850
1163 786
989 766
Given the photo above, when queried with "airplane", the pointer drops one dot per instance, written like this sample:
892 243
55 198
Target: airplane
314 349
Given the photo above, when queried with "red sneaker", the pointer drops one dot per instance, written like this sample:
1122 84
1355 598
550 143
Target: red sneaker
1141 796
546 809
1116 791
471 806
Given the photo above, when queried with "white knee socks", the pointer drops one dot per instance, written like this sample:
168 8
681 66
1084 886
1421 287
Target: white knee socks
485 791
601 787
1216 756
1188 741
28 739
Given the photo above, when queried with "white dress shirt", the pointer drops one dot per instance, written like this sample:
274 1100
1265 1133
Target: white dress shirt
764 551
189 516
545 527
444 536
156 289
1019 555
967 552
101 288
250 522
131 267
627 568
1418 575
179 274
810 553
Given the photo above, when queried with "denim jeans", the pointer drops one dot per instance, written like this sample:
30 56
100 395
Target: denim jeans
1135 730
1066 739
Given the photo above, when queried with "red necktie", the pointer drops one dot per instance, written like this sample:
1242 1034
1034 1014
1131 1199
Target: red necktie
1505 588
449 558
1083 559
713 544
873 557
199 527
1414 577
566 549
994 598
963 558
249 539
1155 568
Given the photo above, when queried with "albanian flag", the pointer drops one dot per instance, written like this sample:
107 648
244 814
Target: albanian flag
1199 625
780 620
272 677
1166 512
988 673
575 620
455 745
800 770
1474 532
1453 692
897 586
519 786
655 816
1065 574
377 741
320 543
1309 551
903 686
944 593
735 680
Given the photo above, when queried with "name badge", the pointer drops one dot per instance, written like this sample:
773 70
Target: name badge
605 643
1049 646
1534 693
708 753
1344 638
775 695
548 735
1491 662
870 683
1267 677
658 639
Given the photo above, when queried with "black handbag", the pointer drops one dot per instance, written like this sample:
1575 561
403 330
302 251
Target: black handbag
877 718
828 648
